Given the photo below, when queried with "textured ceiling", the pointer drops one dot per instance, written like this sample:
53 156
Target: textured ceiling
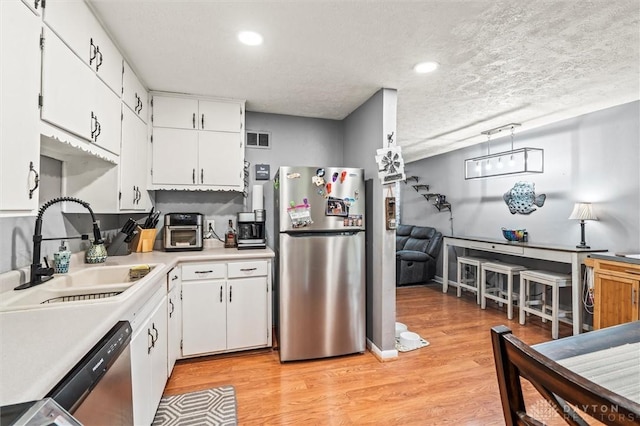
502 61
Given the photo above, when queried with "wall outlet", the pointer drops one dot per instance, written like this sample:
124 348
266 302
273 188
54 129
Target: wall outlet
210 223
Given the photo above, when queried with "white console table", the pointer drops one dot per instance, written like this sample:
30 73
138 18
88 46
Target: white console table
562 254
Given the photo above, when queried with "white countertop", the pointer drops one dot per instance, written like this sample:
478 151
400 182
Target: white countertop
39 346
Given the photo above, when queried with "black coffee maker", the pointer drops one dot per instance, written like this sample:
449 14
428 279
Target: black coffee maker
251 230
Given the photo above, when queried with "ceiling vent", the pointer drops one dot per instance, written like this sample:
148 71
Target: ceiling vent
258 139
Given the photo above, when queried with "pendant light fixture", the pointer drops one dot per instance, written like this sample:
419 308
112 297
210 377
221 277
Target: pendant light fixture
514 161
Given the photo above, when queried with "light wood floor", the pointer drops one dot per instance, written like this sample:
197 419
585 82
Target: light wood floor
451 381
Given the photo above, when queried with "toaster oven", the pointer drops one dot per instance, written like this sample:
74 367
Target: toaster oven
182 232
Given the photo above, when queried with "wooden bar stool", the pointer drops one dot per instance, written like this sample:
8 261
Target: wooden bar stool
496 291
546 312
470 283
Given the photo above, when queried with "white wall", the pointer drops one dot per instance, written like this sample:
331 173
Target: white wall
366 130
592 158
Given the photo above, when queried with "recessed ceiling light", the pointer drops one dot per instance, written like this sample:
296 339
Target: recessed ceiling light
250 38
425 67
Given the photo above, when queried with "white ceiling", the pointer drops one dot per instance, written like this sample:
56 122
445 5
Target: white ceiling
502 61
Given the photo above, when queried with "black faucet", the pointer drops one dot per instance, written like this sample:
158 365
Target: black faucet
40 274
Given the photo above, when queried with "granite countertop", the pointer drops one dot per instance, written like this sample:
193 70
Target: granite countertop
617 257
39 346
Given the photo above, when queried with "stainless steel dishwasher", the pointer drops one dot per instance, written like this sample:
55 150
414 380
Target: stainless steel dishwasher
97 391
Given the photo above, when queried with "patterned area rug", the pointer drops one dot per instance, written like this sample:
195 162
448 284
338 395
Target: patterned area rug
216 406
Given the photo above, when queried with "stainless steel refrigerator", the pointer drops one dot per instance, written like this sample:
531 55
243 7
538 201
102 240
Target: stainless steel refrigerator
320 249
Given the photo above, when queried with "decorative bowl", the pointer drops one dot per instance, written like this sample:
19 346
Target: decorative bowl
514 234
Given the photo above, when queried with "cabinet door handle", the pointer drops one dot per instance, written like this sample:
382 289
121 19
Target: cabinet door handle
36 181
248 269
202 121
139 107
204 272
134 194
94 124
153 325
98 52
35 3
220 294
230 293
193 175
92 51
172 308
149 345
201 175
175 277
194 120
98 130
633 296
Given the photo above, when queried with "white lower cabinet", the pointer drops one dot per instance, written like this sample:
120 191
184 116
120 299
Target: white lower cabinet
174 306
225 307
149 359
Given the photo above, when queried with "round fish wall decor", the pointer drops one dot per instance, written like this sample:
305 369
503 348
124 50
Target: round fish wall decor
522 198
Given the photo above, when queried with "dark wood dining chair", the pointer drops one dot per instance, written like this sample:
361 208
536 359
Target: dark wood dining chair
565 391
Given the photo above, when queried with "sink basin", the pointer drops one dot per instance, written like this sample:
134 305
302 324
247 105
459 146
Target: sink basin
90 284
47 296
96 276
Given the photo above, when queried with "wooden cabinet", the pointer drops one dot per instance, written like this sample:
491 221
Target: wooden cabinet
616 293
19 116
76 25
149 358
198 144
74 99
226 307
174 305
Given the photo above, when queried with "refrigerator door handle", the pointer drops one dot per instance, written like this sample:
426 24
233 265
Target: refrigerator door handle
322 234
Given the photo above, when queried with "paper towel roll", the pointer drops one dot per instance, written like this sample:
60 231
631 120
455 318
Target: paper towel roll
257 198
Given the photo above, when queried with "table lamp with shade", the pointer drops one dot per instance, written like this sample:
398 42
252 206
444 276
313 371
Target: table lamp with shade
582 212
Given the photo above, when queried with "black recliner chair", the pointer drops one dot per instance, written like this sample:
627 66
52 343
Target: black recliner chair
417 250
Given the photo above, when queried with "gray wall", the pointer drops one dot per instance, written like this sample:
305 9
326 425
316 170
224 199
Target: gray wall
366 130
592 158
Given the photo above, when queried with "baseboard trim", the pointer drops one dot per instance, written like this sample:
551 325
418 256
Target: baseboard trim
383 356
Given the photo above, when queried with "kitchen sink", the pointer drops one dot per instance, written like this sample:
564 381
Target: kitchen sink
96 276
91 284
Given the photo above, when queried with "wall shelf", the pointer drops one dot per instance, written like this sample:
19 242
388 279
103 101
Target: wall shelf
440 202
421 186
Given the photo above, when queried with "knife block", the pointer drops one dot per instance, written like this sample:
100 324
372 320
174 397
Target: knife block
144 241
119 246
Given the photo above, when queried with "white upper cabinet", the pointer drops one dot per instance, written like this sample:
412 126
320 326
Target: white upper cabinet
74 100
220 116
133 163
198 144
177 113
198 114
66 83
134 94
19 115
175 157
106 108
76 25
